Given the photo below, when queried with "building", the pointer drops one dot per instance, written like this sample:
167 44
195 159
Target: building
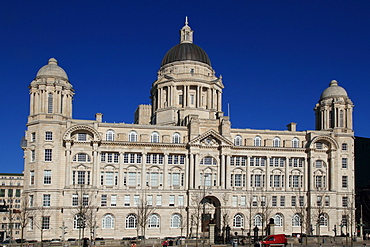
183 161
10 204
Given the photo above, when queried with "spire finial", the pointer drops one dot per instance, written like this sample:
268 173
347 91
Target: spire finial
186 20
186 34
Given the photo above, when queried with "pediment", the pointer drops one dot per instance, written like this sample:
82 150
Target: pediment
210 138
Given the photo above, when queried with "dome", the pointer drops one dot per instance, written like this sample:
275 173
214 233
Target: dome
52 70
186 51
334 91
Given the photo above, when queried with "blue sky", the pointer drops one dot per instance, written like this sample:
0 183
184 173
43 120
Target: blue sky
276 57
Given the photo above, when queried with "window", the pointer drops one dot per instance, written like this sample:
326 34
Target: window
274 201
180 200
149 200
301 201
296 162
75 200
131 221
159 200
319 164
257 141
295 181
176 138
175 221
238 221
344 201
109 136
154 137
10 193
50 104
238 160
81 157
192 95
277 162
344 221
296 220
243 201
153 221
276 142
257 161
130 158
154 158
234 201
48 136
46 200
33 155
32 177
344 163
108 221
238 140
48 154
320 181
237 180
344 181
278 220
319 145
132 136
131 178
113 200
171 200
33 136
79 221
257 180
277 181
208 161
344 146
45 224
341 119
180 99
327 201
30 200
319 201
82 137
103 202
30 223
254 201
294 201
323 220
47 176
295 142
282 201
258 220
176 159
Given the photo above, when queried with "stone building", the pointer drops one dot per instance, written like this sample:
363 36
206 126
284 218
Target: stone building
183 160
10 205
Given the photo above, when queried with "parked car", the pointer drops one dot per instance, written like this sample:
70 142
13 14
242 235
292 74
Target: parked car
274 240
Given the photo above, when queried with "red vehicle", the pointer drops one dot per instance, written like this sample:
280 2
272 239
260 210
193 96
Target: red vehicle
274 240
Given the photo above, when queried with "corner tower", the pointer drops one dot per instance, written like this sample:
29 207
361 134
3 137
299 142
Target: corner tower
334 110
51 94
186 84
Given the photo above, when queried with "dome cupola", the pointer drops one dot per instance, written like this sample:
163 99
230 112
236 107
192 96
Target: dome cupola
333 91
52 70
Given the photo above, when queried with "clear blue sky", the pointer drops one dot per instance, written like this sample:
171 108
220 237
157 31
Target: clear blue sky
276 57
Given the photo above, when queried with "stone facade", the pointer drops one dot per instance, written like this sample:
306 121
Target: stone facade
183 159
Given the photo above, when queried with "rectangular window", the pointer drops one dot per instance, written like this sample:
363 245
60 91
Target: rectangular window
319 201
282 201
109 178
301 201
113 200
344 163
274 201
127 200
46 200
192 99
30 200
180 99
257 180
75 200
294 201
238 180
2 192
235 201
33 155
80 177
48 136
180 200
159 200
149 201
136 200
33 136
344 201
327 201
243 201
10 192
175 179
319 181
172 200
48 154
32 177
103 202
47 176
344 181
254 201
30 223
45 222
263 201
82 137
85 200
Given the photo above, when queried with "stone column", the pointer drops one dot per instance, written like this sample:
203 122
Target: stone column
165 172
143 172
68 164
95 170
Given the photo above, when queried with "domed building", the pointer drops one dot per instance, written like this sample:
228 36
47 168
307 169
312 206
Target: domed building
180 169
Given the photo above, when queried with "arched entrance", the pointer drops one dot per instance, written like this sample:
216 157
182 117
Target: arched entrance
211 213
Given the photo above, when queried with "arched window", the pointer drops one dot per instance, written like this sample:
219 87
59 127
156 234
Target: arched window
175 221
131 221
50 103
276 142
278 220
295 142
109 136
153 221
176 138
258 220
154 137
257 141
81 157
108 221
238 220
238 140
208 160
78 221
132 136
296 220
323 219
